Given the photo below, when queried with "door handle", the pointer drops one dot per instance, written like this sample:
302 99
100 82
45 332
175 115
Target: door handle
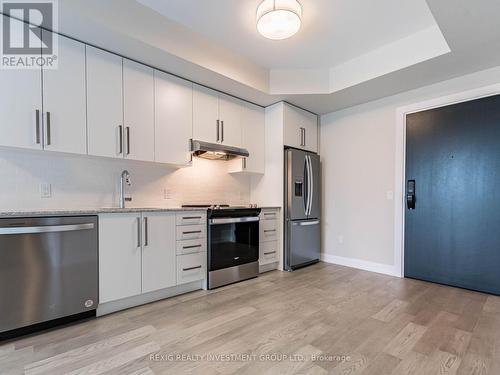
410 195
37 126
48 141
222 131
218 130
120 139
146 232
128 140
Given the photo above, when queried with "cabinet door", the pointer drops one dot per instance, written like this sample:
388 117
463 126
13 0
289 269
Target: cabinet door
310 124
159 251
253 138
173 119
300 128
104 103
20 99
64 100
138 109
119 256
230 117
293 133
205 115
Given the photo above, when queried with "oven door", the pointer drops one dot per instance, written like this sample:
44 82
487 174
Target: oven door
233 241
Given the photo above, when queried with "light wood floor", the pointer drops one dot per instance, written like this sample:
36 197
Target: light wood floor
383 325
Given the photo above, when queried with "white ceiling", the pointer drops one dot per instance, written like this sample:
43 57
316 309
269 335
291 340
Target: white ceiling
332 32
348 51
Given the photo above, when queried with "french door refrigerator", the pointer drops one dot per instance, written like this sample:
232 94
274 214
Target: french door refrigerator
302 209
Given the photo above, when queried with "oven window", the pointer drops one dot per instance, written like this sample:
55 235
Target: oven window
233 244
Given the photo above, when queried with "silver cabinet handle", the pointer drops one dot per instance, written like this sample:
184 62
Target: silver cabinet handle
217 126
306 223
191 217
244 163
269 214
139 232
146 232
222 131
37 126
191 246
128 140
47 129
192 268
270 231
269 253
46 229
120 139
302 136
192 232
305 133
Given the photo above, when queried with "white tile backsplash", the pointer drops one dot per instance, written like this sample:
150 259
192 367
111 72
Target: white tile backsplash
90 182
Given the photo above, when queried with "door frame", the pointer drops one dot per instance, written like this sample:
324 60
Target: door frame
400 170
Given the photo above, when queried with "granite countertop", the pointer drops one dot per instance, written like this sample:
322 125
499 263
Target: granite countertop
95 211
87 211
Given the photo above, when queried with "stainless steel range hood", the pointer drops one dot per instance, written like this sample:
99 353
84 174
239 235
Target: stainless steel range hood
216 151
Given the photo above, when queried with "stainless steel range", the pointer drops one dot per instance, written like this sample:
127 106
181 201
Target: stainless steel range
233 244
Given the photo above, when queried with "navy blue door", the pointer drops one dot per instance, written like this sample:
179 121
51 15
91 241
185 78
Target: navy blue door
452 228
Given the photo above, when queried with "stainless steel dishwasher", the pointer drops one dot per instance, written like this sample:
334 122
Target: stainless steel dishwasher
48 269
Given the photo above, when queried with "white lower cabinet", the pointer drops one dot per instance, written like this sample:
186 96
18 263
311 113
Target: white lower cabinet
119 256
269 237
191 247
158 251
146 252
191 267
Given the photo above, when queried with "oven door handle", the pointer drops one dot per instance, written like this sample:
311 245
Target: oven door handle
233 220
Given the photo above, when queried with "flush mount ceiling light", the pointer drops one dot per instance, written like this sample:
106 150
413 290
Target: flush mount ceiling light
279 19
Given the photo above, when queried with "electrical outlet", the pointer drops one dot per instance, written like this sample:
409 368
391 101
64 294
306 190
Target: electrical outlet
45 190
167 194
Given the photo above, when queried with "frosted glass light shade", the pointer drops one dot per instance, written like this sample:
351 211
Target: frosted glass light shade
279 19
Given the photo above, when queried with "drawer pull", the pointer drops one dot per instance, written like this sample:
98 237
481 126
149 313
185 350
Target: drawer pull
192 232
269 214
271 252
191 247
191 268
191 218
270 230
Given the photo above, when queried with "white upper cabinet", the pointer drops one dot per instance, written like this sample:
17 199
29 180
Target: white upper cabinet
64 100
300 128
159 269
253 139
230 120
138 110
216 117
21 106
173 119
104 103
206 124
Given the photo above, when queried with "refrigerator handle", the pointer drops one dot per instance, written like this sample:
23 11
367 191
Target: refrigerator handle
308 184
305 193
311 182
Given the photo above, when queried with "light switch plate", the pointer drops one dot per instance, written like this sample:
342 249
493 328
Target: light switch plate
45 190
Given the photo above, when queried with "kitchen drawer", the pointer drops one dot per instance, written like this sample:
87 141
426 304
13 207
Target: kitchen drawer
191 218
191 232
191 267
269 230
269 252
191 246
270 215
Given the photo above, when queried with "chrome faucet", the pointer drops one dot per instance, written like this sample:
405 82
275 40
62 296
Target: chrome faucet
124 179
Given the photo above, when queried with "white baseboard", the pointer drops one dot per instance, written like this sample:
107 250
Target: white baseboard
365 265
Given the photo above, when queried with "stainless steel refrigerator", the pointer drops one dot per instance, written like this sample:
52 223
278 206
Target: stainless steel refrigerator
302 209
